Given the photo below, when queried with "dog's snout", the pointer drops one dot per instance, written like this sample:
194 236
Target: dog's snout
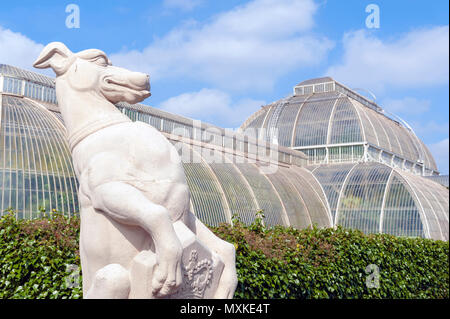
139 79
123 85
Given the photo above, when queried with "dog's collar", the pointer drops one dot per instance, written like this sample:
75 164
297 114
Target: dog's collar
92 127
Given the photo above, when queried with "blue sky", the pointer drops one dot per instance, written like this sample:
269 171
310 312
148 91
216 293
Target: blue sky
219 61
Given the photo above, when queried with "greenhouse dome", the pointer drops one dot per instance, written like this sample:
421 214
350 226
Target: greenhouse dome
333 124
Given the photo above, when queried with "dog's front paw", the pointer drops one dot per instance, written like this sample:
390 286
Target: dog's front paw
167 277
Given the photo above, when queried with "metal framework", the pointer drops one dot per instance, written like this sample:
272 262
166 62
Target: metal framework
225 171
377 198
35 164
364 168
333 124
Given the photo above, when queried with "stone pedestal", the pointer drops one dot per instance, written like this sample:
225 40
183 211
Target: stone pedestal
201 269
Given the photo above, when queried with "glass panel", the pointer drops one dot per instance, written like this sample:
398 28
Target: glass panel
345 125
362 198
264 193
285 121
317 210
240 201
401 215
257 122
315 155
313 120
38 155
295 206
206 194
332 178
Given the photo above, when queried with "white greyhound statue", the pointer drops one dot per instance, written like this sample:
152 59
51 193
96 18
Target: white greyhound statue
132 193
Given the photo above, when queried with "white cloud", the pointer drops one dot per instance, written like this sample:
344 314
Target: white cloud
418 58
407 105
440 151
18 50
212 106
246 48
185 5
430 128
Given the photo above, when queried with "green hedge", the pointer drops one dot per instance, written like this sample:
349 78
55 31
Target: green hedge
38 258
277 262
284 262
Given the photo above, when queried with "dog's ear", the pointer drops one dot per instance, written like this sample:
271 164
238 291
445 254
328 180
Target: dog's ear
56 56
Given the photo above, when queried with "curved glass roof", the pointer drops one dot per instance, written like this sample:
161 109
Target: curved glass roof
328 114
224 181
35 163
224 176
231 173
376 198
8 70
441 179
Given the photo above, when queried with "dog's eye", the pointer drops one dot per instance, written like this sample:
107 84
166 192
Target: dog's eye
100 60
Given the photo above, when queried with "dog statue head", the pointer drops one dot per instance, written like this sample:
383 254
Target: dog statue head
91 71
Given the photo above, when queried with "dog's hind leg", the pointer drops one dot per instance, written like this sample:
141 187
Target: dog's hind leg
110 282
226 251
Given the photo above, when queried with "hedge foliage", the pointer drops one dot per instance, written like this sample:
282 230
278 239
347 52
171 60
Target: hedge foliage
276 262
282 262
39 258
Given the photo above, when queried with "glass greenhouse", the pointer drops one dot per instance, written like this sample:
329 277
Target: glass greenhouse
332 124
325 156
370 164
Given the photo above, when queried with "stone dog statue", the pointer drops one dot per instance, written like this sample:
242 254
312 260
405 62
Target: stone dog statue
138 238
